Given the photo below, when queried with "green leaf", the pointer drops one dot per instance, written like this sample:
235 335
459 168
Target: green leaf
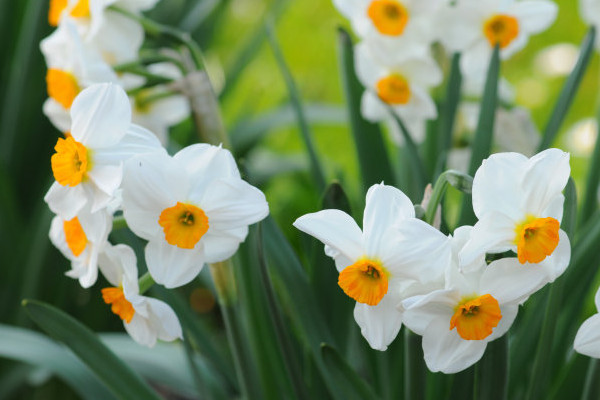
349 384
563 104
493 371
306 134
372 156
590 199
418 172
482 142
120 379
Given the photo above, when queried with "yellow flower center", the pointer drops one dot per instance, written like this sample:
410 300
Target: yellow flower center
536 238
120 305
81 9
183 224
475 318
389 16
70 162
62 87
75 236
393 89
366 281
501 29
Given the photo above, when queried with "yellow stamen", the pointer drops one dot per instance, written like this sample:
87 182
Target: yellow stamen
62 87
475 318
183 224
81 9
70 162
389 16
393 89
366 281
120 305
536 238
56 8
75 236
501 29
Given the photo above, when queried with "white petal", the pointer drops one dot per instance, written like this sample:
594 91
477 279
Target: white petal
336 229
493 233
221 245
509 313
534 15
170 265
555 264
106 178
109 38
207 162
137 140
587 340
507 280
118 264
420 311
379 324
60 118
164 320
372 108
66 201
140 330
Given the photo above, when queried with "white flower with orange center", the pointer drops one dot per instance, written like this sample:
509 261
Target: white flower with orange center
395 256
587 340
87 165
80 240
519 204
144 318
72 66
404 24
193 208
396 83
474 308
475 27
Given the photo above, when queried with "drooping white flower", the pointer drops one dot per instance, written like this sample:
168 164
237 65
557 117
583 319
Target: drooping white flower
474 308
144 318
193 208
587 340
81 239
395 256
519 204
475 27
87 165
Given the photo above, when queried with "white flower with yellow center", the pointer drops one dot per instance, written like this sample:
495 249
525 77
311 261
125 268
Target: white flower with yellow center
475 27
87 165
395 256
144 318
519 204
193 208
72 66
80 240
587 340
392 81
474 308
404 24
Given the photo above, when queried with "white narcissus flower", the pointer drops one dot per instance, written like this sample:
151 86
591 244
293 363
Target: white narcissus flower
587 340
402 24
193 208
395 256
81 239
145 319
519 204
396 82
475 27
590 13
72 66
474 308
87 165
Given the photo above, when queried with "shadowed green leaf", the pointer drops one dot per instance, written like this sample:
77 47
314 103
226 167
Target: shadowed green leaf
350 385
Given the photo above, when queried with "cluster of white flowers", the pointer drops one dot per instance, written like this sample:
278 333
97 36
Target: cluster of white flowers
394 59
90 40
400 270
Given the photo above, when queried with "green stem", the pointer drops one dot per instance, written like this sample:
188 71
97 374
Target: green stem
145 282
414 367
458 180
591 390
119 223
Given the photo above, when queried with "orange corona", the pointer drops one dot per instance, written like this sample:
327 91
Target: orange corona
120 305
390 17
501 30
536 238
474 318
366 281
183 224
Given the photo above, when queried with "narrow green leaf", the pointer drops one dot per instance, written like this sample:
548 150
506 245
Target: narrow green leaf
120 379
416 163
590 199
493 371
414 367
591 390
482 142
349 384
372 156
316 167
563 104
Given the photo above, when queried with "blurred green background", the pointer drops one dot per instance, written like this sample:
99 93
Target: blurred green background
254 101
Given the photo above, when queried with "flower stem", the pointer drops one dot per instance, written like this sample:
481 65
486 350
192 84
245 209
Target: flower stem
119 223
145 282
414 367
458 180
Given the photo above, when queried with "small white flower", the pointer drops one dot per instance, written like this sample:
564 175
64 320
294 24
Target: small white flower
144 318
587 340
87 165
193 208
80 240
395 256
590 13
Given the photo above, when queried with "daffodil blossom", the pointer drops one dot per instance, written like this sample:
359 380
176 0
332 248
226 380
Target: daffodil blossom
474 308
72 66
87 165
401 24
475 27
519 204
81 239
144 318
395 256
193 208
587 340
